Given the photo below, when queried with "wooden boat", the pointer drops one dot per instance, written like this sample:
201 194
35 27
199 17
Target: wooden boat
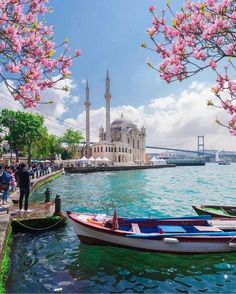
172 235
216 210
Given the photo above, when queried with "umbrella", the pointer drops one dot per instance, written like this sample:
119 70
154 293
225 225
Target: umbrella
106 159
98 159
83 159
91 158
153 159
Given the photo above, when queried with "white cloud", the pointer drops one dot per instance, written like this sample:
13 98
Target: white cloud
172 121
61 99
51 112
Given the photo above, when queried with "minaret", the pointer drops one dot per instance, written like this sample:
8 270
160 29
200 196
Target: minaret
108 98
87 105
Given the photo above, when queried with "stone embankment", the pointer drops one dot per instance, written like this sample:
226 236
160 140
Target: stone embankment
91 169
6 219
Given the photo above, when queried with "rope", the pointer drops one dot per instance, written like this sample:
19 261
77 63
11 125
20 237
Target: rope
38 209
37 229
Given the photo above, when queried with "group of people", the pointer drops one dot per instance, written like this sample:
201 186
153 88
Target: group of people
18 174
12 176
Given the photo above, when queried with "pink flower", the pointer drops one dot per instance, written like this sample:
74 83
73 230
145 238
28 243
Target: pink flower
151 8
213 64
28 50
77 52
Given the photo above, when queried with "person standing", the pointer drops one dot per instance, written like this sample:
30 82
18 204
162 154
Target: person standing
23 178
6 180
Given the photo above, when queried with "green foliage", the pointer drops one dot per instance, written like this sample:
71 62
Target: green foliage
25 128
65 154
47 146
72 138
5 264
25 131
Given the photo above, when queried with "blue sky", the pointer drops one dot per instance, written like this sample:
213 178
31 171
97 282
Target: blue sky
109 34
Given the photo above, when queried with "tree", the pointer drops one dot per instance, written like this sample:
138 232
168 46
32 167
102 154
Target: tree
47 146
26 130
202 35
72 138
27 61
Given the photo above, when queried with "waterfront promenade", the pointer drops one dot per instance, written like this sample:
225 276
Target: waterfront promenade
6 216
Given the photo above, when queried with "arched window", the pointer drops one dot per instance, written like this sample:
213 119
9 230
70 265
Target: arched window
106 148
101 149
98 149
138 144
95 149
133 143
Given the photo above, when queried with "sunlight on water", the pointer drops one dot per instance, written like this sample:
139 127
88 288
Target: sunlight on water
56 259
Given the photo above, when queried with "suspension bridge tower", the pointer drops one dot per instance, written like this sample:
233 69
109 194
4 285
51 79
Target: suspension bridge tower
201 146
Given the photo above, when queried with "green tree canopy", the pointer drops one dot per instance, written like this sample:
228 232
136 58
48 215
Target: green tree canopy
24 129
47 146
73 138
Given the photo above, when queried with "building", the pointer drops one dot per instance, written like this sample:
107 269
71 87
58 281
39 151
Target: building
121 142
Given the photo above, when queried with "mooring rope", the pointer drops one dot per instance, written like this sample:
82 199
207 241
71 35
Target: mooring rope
38 209
37 229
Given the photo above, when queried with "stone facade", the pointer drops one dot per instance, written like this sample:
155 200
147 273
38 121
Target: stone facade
122 142
127 144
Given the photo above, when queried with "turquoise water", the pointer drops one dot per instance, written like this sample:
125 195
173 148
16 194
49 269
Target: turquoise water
57 259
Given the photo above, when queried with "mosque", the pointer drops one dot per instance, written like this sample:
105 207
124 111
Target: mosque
121 142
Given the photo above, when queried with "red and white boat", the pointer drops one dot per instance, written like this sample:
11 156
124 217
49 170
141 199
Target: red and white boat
171 235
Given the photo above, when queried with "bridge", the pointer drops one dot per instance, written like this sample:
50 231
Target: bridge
182 150
200 148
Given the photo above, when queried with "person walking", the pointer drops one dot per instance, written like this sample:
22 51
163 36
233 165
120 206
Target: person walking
23 178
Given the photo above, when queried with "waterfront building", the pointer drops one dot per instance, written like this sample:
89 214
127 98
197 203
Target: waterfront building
122 142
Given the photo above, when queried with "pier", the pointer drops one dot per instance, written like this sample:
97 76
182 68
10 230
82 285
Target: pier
42 216
92 169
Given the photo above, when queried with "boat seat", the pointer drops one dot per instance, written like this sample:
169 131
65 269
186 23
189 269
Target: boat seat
171 229
207 229
135 228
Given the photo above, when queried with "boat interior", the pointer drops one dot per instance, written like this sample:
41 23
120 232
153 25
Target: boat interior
148 226
224 210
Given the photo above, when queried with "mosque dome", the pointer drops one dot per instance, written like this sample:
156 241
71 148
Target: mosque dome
122 122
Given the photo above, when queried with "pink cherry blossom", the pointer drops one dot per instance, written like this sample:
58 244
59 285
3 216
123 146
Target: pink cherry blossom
200 36
151 8
29 60
77 52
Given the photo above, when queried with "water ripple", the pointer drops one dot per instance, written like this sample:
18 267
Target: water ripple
56 259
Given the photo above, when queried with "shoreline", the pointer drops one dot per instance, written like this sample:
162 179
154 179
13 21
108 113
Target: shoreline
91 169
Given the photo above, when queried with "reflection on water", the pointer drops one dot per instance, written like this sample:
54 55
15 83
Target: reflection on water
43 262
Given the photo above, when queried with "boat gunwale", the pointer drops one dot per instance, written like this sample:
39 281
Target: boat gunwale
225 214
181 237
